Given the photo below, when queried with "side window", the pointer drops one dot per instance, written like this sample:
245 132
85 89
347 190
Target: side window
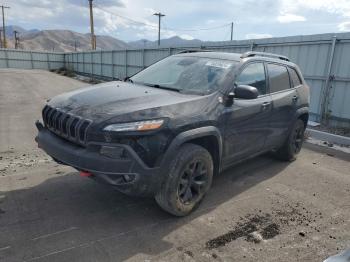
294 77
253 75
279 78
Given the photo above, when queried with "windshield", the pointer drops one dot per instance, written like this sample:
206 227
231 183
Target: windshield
184 73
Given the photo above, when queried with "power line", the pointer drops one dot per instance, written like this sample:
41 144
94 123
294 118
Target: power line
154 26
200 29
125 18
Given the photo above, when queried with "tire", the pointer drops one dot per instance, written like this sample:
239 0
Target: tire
189 178
293 143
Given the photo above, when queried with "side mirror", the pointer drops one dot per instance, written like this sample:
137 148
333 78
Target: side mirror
246 92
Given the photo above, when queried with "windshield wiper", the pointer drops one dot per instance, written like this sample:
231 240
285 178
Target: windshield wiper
162 87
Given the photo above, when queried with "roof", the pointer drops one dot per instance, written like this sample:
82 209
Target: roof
217 55
234 56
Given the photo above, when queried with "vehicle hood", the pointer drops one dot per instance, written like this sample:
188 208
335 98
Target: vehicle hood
109 100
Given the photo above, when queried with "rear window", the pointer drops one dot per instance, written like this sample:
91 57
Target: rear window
294 77
278 77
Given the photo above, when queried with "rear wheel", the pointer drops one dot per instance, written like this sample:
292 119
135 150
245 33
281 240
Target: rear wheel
293 144
190 176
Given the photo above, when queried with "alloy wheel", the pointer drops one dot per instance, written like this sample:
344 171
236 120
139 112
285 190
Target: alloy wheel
192 182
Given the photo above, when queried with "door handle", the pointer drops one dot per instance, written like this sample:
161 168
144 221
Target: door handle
295 98
265 105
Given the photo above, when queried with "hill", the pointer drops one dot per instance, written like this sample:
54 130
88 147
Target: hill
168 42
60 40
68 41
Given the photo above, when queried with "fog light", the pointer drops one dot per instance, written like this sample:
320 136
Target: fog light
128 178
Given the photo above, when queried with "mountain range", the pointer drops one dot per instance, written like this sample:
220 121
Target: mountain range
68 41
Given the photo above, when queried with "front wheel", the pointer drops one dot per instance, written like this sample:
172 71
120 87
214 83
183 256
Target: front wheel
189 178
293 144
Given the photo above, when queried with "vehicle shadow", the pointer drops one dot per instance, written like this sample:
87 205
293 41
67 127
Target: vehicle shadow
69 218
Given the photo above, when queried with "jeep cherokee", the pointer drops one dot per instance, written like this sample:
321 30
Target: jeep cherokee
167 130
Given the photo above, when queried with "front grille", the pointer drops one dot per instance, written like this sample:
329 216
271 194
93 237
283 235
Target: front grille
66 125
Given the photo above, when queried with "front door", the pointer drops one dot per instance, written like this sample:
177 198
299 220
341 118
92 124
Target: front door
247 120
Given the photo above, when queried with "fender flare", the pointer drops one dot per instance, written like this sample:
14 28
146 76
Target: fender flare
189 135
301 111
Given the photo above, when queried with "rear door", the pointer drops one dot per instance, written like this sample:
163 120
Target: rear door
247 120
284 100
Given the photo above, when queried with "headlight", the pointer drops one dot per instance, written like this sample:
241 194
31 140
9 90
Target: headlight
135 126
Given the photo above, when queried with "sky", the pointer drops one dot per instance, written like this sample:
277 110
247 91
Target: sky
131 20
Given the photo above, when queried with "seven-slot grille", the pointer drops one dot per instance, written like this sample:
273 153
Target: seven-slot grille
66 125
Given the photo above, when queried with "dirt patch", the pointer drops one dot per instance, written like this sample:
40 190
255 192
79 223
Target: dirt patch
270 231
189 253
262 226
341 131
261 223
12 162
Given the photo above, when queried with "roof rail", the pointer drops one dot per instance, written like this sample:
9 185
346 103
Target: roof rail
253 53
192 51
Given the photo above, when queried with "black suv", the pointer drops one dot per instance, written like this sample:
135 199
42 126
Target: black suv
166 131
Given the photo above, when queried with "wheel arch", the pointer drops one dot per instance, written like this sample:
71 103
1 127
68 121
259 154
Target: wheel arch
303 114
208 137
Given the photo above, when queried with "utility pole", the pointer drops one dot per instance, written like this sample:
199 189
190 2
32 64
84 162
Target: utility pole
160 15
93 39
0 38
3 24
95 45
231 31
16 39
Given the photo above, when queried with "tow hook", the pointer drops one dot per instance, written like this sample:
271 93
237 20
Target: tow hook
39 125
85 174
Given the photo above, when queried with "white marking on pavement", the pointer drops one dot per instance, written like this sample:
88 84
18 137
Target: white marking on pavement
4 248
55 233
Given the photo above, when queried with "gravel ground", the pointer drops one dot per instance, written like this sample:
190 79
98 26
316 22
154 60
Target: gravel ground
260 210
341 131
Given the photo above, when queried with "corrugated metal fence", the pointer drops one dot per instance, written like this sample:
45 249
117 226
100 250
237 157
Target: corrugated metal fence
11 58
324 60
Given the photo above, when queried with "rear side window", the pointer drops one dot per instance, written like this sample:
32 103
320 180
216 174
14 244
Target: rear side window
279 78
253 75
294 77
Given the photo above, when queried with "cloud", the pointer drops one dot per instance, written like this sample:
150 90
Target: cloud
257 36
289 18
322 16
344 26
106 3
340 7
187 37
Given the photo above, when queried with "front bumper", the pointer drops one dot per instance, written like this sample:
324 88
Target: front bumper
129 174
